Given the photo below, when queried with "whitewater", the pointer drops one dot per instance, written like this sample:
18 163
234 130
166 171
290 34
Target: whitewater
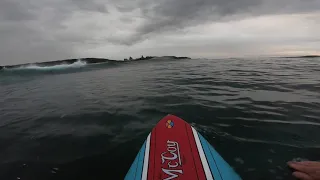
77 64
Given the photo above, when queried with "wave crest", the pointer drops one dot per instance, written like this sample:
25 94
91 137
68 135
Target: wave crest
77 64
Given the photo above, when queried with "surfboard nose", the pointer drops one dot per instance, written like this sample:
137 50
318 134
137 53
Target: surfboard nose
169 121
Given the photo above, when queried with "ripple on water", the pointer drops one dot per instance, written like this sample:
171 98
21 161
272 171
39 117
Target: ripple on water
258 113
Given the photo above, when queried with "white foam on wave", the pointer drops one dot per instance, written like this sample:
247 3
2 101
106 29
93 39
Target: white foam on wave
76 64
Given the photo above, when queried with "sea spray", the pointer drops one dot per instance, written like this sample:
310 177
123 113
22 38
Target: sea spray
77 64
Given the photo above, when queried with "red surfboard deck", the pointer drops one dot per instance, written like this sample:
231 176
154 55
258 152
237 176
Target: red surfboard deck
175 150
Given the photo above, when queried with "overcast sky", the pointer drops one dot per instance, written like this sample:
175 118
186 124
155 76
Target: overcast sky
44 30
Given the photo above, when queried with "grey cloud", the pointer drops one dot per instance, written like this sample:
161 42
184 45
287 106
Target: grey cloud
38 30
27 45
169 15
28 29
14 11
124 9
127 41
126 19
181 13
130 5
90 5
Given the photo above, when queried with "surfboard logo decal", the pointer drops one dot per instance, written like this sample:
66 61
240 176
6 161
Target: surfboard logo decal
171 161
169 124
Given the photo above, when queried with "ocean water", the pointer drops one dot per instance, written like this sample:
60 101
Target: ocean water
89 121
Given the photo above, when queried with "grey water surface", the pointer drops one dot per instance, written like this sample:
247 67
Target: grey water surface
89 121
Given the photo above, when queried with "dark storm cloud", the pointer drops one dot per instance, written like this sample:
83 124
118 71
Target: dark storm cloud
39 30
171 15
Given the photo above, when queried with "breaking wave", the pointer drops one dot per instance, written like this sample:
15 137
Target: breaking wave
77 64
49 69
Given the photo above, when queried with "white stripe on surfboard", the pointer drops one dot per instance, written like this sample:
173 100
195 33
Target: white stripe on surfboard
146 159
203 158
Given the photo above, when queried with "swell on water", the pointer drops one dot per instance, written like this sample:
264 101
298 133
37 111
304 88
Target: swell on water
77 64
77 123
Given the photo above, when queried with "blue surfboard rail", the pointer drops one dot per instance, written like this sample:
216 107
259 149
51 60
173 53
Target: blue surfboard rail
135 171
217 164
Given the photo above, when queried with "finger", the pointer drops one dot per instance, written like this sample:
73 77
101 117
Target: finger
302 176
309 163
301 168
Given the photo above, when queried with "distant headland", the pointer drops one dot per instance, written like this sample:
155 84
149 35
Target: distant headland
88 61
307 56
151 57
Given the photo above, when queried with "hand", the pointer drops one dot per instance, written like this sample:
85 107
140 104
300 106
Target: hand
306 170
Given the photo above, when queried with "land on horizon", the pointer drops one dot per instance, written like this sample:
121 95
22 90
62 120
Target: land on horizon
102 60
306 56
88 61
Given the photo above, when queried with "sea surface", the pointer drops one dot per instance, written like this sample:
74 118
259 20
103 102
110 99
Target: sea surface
84 121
